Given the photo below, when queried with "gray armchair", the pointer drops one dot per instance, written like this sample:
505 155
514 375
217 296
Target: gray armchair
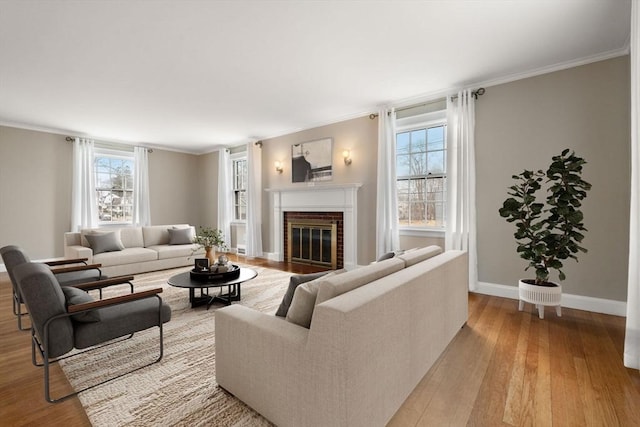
64 318
68 272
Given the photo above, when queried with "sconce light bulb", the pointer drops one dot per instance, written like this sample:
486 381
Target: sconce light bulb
347 157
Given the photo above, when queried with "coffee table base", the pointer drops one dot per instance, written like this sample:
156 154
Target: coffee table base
233 294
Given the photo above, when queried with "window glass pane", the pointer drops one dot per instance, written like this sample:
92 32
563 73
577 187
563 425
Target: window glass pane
403 187
417 189
403 212
418 141
402 143
417 214
403 165
419 164
435 163
435 138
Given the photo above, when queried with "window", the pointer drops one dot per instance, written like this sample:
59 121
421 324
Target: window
114 186
239 170
421 161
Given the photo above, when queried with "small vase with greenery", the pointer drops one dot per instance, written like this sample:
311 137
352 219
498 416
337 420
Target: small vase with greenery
548 233
209 238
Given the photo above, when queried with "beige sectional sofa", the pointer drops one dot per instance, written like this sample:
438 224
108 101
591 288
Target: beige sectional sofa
141 249
375 332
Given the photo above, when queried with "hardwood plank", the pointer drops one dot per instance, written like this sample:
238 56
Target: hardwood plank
563 343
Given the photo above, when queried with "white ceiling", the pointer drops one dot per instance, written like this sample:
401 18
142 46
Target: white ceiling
194 75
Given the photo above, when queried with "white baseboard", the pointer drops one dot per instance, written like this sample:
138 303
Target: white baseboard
579 302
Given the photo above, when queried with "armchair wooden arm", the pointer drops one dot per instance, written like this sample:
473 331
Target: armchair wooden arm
100 284
67 261
113 301
76 268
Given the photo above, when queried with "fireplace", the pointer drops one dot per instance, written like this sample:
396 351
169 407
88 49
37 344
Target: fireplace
314 238
328 199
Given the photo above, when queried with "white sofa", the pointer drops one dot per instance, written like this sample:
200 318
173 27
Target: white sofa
367 347
144 249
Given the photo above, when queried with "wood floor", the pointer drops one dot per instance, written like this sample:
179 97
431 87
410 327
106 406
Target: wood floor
504 368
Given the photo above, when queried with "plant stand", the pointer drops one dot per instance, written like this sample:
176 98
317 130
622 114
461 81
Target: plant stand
541 296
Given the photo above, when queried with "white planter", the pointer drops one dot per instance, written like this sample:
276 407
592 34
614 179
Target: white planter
541 296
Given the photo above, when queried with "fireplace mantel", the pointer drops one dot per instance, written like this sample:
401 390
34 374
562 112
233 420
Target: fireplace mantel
318 198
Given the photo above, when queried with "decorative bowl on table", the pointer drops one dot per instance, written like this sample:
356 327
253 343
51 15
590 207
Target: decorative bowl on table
217 273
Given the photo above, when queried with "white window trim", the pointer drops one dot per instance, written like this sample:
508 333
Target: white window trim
242 155
422 231
124 154
420 121
407 124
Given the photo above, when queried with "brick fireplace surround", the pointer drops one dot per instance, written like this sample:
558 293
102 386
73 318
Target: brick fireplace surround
326 199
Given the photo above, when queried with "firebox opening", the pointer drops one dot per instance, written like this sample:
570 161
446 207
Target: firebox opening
313 242
314 238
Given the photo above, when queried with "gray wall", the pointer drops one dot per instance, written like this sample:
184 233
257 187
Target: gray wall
174 180
208 195
35 191
522 125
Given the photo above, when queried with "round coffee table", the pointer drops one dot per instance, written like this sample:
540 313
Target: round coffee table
183 280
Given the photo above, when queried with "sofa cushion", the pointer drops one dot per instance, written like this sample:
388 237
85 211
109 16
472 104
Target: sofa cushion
132 237
175 251
126 256
104 242
295 281
154 235
75 296
338 285
418 255
180 236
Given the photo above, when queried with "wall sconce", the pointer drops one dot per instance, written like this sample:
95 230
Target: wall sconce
346 154
278 165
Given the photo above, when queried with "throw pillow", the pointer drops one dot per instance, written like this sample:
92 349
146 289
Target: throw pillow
388 255
104 242
303 303
75 296
295 281
180 236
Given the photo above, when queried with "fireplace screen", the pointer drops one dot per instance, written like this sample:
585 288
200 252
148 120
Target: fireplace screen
312 242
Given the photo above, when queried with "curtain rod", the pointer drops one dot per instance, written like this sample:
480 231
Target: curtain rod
71 139
475 93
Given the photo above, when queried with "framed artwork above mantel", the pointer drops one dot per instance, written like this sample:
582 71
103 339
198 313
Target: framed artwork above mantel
311 161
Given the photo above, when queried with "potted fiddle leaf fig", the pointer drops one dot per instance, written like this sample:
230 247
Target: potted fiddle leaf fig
549 231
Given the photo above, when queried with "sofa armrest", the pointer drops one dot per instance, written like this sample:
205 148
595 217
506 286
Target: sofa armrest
78 251
261 359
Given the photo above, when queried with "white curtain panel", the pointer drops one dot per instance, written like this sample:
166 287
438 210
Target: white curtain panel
254 200
460 230
632 337
141 205
225 195
387 234
84 209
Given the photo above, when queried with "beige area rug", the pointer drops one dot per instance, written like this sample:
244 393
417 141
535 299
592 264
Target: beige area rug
181 389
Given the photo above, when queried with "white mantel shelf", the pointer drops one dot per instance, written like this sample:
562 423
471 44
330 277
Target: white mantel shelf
318 198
